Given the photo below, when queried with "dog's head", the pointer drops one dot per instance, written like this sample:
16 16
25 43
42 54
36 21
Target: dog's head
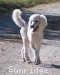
37 22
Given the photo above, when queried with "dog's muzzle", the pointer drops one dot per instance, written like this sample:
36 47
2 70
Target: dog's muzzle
34 29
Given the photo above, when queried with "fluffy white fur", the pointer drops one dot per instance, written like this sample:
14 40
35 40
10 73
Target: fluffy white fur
31 34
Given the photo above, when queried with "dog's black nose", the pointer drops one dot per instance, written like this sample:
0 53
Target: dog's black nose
32 26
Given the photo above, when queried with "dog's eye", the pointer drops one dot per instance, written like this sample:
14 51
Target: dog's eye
36 21
32 26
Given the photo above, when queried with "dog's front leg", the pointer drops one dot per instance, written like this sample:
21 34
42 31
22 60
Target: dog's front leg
36 54
24 53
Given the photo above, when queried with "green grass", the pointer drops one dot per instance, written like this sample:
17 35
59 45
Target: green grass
8 5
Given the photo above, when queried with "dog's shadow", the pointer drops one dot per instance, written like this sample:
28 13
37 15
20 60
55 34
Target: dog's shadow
50 65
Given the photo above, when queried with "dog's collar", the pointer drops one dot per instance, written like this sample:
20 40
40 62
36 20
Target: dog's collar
35 29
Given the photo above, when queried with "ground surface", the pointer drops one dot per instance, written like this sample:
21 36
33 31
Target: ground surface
10 58
47 9
11 64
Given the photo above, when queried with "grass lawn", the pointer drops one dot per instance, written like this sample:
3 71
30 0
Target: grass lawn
8 5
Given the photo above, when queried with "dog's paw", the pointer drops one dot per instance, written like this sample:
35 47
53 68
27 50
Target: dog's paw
23 60
37 61
26 60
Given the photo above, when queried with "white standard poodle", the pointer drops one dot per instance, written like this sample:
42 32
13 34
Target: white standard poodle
31 33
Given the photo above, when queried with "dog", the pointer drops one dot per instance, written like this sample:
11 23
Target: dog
31 33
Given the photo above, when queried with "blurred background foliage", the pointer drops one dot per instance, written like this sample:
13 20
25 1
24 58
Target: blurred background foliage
9 5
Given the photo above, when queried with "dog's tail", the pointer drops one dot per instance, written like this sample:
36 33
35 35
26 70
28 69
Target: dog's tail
16 16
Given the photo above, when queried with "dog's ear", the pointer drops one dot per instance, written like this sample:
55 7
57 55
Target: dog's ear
43 22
